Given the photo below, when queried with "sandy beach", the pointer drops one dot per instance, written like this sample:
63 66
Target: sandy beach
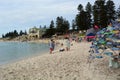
67 65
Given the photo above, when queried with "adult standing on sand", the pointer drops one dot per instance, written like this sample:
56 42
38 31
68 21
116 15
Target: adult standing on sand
67 43
52 46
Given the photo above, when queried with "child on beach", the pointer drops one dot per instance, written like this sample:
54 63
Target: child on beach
62 49
52 45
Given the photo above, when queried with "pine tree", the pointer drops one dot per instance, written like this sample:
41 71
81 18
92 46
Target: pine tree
3 36
118 12
25 32
52 24
80 7
59 22
62 25
66 26
78 19
89 8
88 13
51 30
110 9
21 33
99 13
15 33
81 19
45 27
73 25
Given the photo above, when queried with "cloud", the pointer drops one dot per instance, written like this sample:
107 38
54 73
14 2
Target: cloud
34 11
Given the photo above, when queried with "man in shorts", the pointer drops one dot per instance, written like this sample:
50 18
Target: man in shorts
52 45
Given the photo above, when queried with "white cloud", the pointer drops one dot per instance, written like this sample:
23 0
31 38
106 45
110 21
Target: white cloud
34 12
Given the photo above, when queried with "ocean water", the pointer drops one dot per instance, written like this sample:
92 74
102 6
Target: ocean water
13 51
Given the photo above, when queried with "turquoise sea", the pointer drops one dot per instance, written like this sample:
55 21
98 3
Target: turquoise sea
13 51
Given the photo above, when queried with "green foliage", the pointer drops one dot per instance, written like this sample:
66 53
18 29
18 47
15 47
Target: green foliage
51 31
118 12
22 33
82 20
110 7
52 24
73 25
45 27
89 8
88 13
62 25
14 34
99 13
102 12
3 36
80 8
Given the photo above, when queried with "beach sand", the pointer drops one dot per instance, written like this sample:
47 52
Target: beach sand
67 65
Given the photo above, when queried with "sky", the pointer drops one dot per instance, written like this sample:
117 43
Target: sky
24 14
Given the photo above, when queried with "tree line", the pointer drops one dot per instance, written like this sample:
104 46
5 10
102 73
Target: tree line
100 13
14 34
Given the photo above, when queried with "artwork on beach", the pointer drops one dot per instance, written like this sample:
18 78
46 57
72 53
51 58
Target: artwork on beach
107 42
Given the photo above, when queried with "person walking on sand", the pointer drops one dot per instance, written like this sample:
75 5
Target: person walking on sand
52 46
67 44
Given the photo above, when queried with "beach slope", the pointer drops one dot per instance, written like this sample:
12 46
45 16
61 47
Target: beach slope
67 65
